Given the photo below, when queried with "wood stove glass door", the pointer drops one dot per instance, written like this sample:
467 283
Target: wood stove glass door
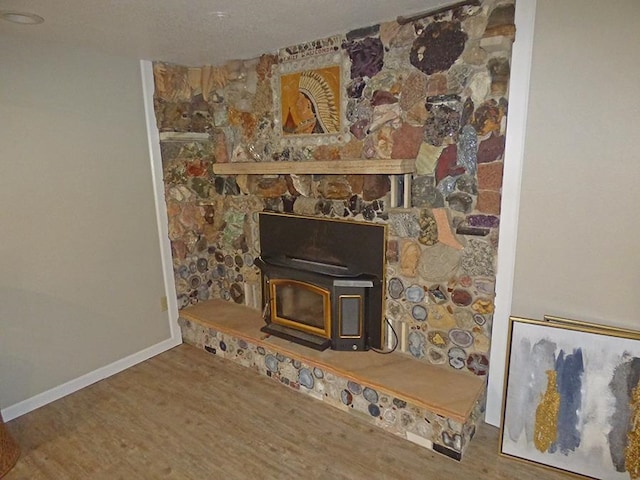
301 305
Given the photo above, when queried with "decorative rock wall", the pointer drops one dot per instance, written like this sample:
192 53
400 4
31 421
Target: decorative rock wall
434 89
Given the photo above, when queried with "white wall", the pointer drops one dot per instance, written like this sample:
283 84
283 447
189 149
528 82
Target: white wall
82 278
577 227
579 224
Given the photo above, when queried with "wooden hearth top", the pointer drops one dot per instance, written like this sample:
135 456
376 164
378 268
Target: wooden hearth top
439 389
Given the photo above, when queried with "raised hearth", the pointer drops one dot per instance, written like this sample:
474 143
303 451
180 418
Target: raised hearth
432 406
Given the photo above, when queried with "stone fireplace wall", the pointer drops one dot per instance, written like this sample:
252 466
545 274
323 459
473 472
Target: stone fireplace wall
435 90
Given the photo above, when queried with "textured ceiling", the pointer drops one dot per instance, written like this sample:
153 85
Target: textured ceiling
189 32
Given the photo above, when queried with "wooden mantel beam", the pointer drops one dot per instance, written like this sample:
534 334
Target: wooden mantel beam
348 166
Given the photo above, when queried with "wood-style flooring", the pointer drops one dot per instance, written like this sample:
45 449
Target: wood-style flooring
186 414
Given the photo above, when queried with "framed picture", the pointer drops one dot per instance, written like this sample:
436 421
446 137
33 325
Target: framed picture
310 100
572 398
581 323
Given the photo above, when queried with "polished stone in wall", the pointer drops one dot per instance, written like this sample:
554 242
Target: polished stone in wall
399 92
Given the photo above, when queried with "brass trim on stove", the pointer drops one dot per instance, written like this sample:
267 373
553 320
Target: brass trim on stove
326 305
360 316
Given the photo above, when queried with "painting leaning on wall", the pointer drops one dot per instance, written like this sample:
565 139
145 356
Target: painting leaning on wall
572 398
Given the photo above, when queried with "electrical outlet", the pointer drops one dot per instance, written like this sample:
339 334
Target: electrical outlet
163 303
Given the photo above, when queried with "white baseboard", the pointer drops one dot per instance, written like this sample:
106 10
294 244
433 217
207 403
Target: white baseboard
87 379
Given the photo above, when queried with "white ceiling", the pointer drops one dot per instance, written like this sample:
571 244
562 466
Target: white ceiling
189 32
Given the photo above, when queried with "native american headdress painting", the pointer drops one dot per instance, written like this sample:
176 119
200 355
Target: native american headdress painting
311 102
317 90
308 86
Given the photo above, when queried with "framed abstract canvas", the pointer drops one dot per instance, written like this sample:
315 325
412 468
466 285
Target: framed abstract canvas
572 398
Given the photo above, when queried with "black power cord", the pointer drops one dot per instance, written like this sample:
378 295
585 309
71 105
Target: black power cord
395 336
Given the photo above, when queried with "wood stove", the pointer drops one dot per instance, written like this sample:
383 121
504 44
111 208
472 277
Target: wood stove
322 281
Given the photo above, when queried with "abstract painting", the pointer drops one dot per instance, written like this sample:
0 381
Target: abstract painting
572 398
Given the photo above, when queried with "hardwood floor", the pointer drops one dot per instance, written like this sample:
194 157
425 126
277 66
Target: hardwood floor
186 414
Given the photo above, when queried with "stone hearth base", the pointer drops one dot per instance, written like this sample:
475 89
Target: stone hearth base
432 406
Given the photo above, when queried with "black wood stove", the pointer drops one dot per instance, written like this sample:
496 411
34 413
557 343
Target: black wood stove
322 281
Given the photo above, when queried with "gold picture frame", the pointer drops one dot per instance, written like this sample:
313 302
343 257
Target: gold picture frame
581 323
572 397
309 95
